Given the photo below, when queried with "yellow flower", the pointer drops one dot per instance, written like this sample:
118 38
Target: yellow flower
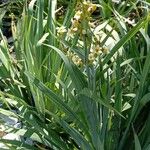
92 8
77 15
61 30
87 3
79 62
91 57
105 50
70 33
89 6
75 29
69 54
91 24
75 22
98 49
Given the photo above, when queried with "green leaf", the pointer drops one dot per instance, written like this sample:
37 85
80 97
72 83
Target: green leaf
53 97
137 142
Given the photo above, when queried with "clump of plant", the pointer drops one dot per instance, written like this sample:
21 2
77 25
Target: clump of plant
78 83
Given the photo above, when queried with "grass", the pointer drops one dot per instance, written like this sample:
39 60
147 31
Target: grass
75 84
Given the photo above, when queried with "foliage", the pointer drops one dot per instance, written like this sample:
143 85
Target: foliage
79 82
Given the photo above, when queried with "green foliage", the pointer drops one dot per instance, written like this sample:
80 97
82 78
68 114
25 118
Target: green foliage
81 82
